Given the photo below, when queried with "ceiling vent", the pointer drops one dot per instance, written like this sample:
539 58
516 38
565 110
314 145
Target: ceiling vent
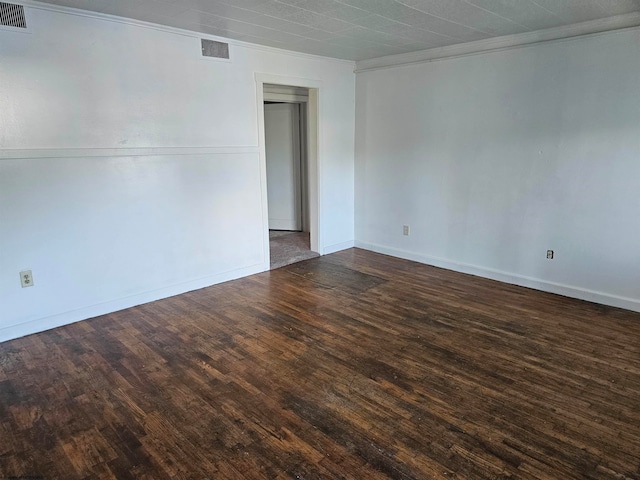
211 48
12 15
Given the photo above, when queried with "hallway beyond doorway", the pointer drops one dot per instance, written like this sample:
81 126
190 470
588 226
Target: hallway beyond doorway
289 247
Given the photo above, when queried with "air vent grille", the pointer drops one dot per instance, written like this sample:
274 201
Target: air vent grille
211 48
12 15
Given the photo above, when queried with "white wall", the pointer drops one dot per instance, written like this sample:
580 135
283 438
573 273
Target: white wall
130 166
494 158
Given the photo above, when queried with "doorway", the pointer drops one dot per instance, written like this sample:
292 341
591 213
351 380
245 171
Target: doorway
305 92
287 174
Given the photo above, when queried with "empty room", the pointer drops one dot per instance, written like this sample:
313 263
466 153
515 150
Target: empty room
320 239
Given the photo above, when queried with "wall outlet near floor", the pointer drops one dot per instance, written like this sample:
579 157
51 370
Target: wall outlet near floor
405 230
550 254
26 278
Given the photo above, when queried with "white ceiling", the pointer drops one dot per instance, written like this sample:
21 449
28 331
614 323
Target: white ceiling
360 29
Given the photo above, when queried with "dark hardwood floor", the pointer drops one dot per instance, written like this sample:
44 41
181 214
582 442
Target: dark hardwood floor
353 365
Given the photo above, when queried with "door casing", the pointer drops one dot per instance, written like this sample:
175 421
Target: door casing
314 155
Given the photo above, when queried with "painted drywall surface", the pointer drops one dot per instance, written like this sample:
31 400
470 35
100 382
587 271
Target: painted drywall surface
492 159
129 165
120 217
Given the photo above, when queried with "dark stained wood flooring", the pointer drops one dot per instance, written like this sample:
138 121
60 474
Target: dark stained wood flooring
354 365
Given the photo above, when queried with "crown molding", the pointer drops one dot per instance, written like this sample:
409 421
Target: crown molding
593 27
174 30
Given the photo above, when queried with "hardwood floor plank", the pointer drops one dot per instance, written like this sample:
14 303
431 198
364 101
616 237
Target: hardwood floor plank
353 365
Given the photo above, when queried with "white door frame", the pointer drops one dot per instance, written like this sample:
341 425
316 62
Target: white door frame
314 123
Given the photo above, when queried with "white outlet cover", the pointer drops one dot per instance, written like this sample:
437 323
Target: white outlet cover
26 278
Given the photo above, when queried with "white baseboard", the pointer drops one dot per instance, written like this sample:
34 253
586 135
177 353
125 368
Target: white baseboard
282 224
506 277
337 247
53 321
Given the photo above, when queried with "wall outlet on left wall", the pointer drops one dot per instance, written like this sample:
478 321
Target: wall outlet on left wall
26 278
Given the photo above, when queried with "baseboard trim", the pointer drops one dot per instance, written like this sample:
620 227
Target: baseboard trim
282 224
336 247
506 277
66 318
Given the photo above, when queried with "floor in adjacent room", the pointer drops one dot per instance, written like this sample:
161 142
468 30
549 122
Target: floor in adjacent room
287 247
353 365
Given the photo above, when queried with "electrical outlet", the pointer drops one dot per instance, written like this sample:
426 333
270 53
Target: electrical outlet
550 254
26 278
405 230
